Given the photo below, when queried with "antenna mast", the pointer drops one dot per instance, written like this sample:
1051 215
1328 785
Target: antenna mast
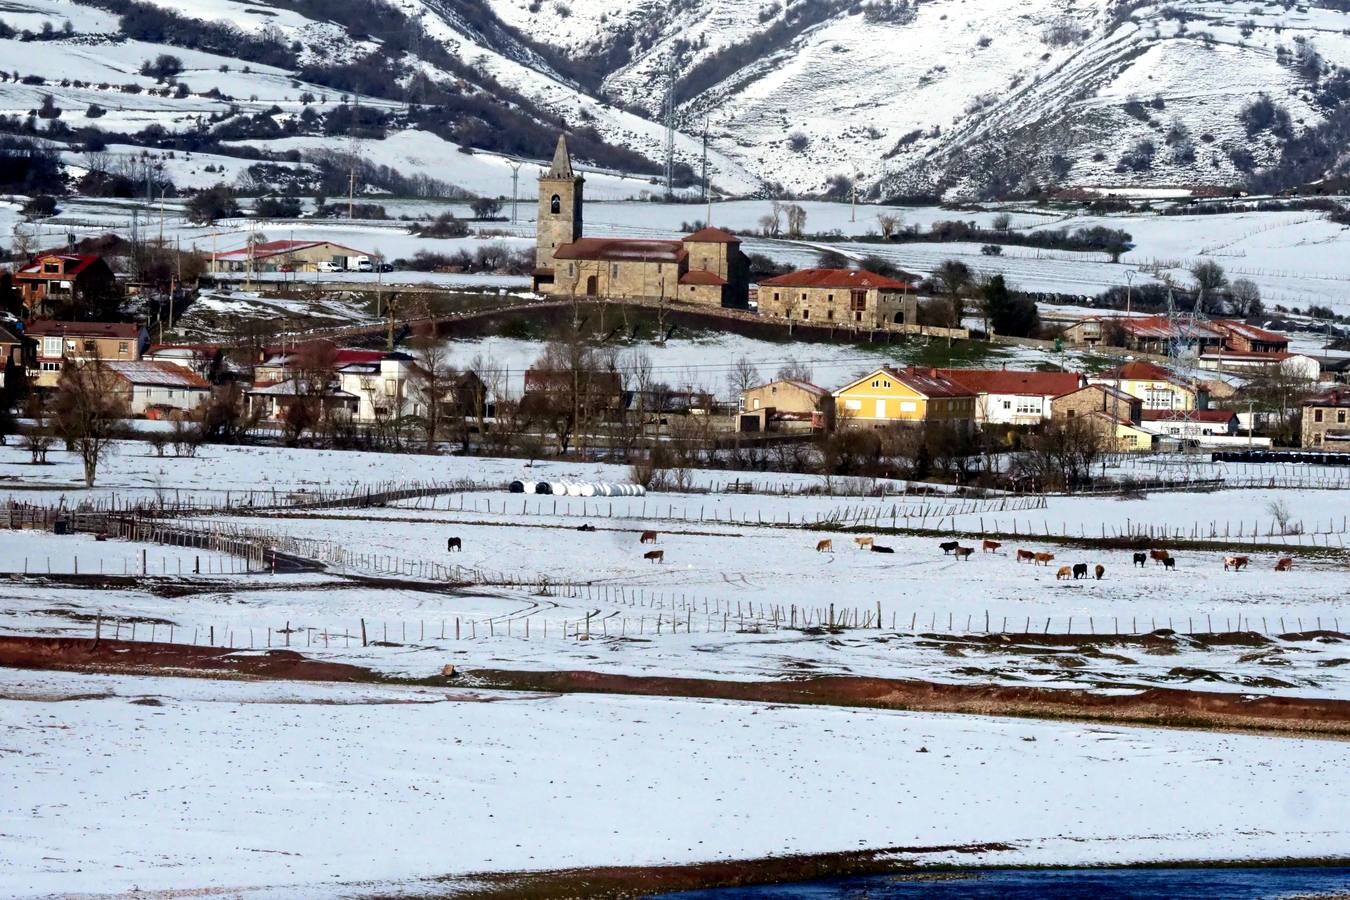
670 126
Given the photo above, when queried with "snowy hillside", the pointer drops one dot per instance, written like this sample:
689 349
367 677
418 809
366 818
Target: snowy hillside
957 97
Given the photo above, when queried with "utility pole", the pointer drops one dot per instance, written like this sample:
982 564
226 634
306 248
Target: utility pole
351 188
670 126
515 191
707 195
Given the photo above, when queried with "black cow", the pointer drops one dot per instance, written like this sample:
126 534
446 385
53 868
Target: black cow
1141 559
453 544
1079 571
1169 563
949 546
877 548
586 527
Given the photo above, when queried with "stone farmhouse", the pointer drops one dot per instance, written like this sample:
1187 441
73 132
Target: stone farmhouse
852 297
1326 421
705 268
1113 414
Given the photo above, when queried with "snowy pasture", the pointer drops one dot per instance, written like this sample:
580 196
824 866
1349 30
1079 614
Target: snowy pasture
169 775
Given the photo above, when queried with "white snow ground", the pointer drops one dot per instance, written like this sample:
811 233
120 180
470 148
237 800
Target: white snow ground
268 790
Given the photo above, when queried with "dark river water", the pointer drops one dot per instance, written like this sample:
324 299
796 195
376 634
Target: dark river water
1047 884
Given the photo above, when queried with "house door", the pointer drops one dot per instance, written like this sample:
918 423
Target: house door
881 409
591 290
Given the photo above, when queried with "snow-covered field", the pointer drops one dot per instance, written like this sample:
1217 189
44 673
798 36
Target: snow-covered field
323 790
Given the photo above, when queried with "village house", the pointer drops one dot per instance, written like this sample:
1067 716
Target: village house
1262 362
1009 397
1155 386
384 382
1146 334
705 268
325 398
55 342
366 386
61 283
786 404
1190 425
551 391
850 297
283 256
154 389
1326 421
910 396
1115 415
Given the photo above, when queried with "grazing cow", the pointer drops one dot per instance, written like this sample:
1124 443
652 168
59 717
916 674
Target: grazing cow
991 546
1026 556
1043 559
1169 564
949 546
1140 559
1064 572
453 544
825 546
1159 556
964 553
863 542
1079 571
1237 562
648 537
586 527
1099 571
655 556
1285 564
877 548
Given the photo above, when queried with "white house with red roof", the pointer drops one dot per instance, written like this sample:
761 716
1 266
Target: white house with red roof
1190 424
154 388
282 256
1012 397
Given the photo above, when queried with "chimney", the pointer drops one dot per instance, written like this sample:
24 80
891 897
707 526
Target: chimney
932 373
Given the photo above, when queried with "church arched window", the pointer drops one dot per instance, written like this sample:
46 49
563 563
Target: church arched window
555 205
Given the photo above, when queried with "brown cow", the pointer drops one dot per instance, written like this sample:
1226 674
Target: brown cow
825 546
1237 562
1285 564
1043 559
992 546
1099 571
1159 556
964 553
655 556
648 537
1064 572
863 542
1026 556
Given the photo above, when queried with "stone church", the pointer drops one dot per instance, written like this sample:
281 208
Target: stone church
705 268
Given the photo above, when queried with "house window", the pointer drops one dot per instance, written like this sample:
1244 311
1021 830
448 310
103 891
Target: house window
555 205
1069 414
857 317
877 383
122 347
1317 414
858 300
806 314
51 346
90 347
1028 406
1007 404
908 406
775 295
853 405
829 314
1317 438
571 269
51 268
885 383
755 403
1340 417
614 270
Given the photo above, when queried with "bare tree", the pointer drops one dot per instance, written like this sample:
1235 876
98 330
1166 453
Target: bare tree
796 220
889 223
89 405
743 376
433 381
793 369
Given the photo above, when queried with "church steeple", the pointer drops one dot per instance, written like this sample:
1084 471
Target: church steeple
562 161
560 204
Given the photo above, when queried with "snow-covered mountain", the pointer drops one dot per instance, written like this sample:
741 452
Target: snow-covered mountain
903 97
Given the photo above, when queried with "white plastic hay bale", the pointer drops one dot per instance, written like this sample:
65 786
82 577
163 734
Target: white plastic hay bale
559 489
588 490
573 490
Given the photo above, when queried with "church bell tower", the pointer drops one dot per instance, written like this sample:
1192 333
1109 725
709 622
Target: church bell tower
560 201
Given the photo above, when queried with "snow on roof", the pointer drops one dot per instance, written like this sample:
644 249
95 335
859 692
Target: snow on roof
838 278
1011 381
157 374
711 236
1251 332
1162 328
75 263
288 388
618 249
277 248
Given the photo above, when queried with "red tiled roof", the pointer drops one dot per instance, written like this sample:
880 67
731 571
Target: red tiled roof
1138 370
928 382
837 278
1160 328
1005 381
1251 332
622 249
702 276
75 264
158 374
1212 416
120 330
1335 397
711 236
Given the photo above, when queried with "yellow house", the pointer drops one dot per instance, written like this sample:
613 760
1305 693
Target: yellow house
904 397
1155 386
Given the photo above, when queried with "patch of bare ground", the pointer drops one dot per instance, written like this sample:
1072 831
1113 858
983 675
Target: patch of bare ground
622 882
1161 707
